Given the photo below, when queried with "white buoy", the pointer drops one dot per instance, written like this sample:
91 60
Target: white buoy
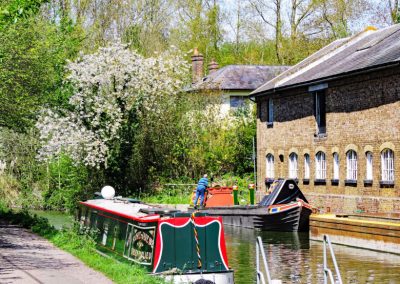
108 192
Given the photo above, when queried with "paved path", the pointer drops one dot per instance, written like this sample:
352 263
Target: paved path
27 258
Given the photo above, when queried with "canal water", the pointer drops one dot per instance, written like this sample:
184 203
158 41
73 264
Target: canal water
292 257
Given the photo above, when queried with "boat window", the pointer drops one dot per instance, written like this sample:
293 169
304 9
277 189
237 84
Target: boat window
115 236
387 165
106 225
351 161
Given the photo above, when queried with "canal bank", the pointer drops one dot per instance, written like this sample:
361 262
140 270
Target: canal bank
27 258
374 232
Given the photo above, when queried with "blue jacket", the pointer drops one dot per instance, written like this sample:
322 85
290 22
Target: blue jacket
203 183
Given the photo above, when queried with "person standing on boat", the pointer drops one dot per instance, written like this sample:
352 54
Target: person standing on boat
201 190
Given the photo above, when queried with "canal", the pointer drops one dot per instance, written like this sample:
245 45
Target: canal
292 257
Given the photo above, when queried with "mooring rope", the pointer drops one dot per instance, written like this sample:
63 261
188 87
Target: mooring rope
196 236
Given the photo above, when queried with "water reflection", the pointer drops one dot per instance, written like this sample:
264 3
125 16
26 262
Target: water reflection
293 258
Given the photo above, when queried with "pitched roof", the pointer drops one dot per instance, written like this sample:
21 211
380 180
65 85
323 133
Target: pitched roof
240 77
366 50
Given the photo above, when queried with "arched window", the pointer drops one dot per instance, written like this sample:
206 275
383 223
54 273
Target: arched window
306 166
368 171
351 161
320 165
293 165
335 166
387 165
270 173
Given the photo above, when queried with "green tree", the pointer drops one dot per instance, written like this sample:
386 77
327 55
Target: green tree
32 58
13 10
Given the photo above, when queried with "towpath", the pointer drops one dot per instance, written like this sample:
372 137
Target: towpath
29 259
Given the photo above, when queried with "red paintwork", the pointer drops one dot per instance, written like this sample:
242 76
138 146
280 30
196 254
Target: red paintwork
217 196
290 205
145 219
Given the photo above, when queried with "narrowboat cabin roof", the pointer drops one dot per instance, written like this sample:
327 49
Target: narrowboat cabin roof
135 211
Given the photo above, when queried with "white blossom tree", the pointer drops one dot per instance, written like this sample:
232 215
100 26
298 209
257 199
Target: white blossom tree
107 86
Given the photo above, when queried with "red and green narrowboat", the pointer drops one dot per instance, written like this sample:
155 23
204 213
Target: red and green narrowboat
182 247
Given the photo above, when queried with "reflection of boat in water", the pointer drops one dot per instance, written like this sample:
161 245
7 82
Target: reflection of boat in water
284 209
183 247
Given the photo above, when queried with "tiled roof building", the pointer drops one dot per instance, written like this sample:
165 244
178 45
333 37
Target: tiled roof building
333 123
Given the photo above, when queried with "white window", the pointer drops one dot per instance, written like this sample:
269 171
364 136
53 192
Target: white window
387 164
320 166
293 165
335 166
306 166
270 166
368 173
351 160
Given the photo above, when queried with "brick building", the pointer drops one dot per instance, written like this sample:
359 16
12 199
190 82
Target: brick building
333 123
233 82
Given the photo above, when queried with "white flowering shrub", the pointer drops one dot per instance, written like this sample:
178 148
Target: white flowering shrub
107 86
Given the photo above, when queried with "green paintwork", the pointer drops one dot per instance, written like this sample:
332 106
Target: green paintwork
179 248
128 241
235 197
251 190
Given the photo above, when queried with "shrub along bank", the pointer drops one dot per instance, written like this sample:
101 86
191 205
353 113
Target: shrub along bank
81 246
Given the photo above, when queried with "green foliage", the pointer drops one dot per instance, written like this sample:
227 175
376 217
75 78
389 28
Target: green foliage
179 191
66 184
13 10
32 58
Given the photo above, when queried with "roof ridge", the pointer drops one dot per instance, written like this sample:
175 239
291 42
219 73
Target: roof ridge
349 41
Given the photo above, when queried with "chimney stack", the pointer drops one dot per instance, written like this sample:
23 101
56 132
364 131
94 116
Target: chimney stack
197 66
212 66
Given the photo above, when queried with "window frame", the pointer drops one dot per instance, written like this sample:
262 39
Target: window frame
270 113
336 166
320 111
293 166
270 166
351 166
387 166
320 166
307 171
369 166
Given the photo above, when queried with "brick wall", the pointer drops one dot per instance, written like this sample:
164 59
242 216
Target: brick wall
363 114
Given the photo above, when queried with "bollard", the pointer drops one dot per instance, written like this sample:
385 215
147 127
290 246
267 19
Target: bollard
251 190
235 195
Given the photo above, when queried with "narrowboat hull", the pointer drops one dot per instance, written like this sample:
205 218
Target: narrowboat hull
292 217
180 246
284 209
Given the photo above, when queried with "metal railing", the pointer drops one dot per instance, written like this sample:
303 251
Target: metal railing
327 271
260 275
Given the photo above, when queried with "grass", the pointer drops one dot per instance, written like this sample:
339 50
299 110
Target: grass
81 246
